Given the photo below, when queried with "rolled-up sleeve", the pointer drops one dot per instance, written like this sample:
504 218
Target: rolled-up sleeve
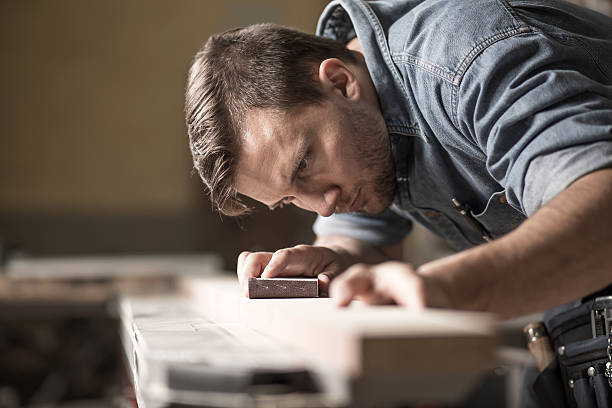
565 166
383 230
541 111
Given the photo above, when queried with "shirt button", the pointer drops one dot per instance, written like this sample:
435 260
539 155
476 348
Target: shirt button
503 199
431 214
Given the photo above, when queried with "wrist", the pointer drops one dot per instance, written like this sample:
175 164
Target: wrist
344 258
436 290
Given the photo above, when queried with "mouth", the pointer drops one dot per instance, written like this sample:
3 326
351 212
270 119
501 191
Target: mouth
357 202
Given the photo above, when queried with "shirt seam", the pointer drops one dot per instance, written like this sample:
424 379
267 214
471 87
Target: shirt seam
471 56
510 11
437 70
405 130
480 47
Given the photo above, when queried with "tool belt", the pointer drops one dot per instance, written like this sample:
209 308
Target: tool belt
580 374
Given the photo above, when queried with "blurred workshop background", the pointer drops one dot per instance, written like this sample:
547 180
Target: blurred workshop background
94 161
94 156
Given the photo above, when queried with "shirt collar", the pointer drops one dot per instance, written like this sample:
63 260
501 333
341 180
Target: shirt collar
343 20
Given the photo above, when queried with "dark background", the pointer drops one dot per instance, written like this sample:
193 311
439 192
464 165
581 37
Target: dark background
93 146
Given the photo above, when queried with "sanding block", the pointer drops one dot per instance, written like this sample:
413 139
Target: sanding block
260 288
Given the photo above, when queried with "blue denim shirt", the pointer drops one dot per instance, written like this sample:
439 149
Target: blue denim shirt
496 105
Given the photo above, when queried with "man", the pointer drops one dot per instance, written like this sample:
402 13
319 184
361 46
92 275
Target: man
489 122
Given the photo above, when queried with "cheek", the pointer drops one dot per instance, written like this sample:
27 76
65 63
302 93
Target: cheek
351 164
344 160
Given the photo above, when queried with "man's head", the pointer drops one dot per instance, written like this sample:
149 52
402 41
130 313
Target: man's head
283 116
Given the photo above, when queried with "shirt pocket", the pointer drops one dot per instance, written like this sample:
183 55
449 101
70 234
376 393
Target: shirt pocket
499 218
444 227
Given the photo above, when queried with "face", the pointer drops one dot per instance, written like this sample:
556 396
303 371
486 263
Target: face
328 158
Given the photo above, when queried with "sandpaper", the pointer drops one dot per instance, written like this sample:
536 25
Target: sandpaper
260 288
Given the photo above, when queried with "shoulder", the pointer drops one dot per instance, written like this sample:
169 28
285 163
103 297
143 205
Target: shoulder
446 34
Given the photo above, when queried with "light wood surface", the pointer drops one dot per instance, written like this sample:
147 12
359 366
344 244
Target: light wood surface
386 351
176 355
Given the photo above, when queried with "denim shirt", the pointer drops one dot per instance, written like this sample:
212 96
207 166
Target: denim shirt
492 109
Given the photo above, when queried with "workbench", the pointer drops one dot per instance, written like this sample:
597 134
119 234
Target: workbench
208 345
190 338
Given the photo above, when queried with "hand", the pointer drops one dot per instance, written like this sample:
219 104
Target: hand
387 283
300 260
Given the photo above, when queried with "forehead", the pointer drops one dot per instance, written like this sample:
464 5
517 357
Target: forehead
265 129
270 141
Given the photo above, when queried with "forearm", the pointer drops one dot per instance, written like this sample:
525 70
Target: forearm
352 251
561 253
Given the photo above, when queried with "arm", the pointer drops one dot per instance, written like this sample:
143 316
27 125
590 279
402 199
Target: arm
352 251
542 120
562 252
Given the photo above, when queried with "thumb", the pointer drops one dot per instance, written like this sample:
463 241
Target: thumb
325 279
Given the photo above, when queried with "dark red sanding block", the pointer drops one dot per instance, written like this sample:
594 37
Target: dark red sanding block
260 288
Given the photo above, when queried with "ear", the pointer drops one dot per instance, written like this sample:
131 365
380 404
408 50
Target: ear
336 76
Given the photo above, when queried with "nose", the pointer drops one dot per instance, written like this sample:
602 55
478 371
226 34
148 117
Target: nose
323 203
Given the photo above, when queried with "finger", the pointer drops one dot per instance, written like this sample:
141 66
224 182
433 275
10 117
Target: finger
375 298
302 260
328 275
356 281
279 260
252 266
401 284
407 293
240 264
324 281
331 267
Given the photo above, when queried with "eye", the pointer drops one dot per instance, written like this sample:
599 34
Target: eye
304 162
286 200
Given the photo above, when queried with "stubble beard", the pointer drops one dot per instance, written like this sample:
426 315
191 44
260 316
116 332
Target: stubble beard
373 153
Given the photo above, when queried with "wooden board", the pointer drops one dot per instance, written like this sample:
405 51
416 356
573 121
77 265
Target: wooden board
177 356
381 349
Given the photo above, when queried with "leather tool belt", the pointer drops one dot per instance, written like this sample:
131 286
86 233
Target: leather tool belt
580 375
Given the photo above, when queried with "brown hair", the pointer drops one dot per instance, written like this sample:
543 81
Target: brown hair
259 66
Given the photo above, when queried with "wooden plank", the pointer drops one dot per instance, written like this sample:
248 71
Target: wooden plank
175 355
264 288
375 347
